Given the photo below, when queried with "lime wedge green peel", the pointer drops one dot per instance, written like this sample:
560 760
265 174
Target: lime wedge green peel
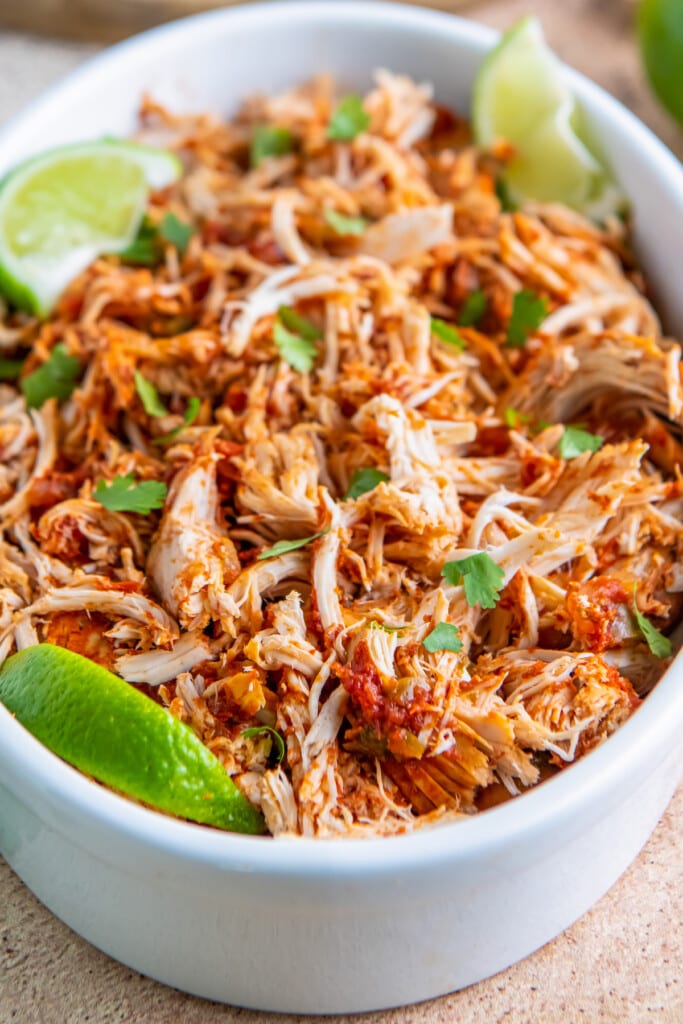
660 33
520 96
63 208
112 732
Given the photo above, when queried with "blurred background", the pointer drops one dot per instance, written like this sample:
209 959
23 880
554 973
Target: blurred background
42 39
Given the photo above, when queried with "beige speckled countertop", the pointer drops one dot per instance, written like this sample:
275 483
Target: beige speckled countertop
623 962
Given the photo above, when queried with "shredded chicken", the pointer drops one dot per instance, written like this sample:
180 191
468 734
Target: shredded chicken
294 577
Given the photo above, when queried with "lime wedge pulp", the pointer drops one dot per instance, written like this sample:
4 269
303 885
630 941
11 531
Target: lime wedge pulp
112 732
520 96
61 209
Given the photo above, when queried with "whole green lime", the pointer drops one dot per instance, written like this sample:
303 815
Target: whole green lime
660 31
108 729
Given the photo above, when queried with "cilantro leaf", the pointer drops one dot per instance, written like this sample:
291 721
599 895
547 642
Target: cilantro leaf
298 324
504 198
528 313
10 369
444 637
343 225
364 480
473 309
192 411
281 547
269 140
149 396
446 332
514 419
56 378
124 495
277 742
176 232
659 644
348 120
299 352
189 416
481 577
144 250
575 441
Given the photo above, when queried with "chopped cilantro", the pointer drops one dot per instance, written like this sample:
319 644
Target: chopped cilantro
504 198
56 378
364 480
348 120
144 250
298 324
444 637
481 577
528 313
149 396
269 140
124 495
176 232
659 644
192 411
446 332
189 416
514 419
575 441
299 352
473 309
343 225
10 368
281 547
277 742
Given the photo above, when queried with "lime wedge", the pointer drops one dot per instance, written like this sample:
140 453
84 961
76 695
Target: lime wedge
112 732
520 96
660 32
61 209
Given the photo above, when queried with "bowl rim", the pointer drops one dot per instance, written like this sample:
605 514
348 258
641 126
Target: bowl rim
594 780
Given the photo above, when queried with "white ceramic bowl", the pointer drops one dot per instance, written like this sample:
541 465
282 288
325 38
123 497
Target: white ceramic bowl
338 925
